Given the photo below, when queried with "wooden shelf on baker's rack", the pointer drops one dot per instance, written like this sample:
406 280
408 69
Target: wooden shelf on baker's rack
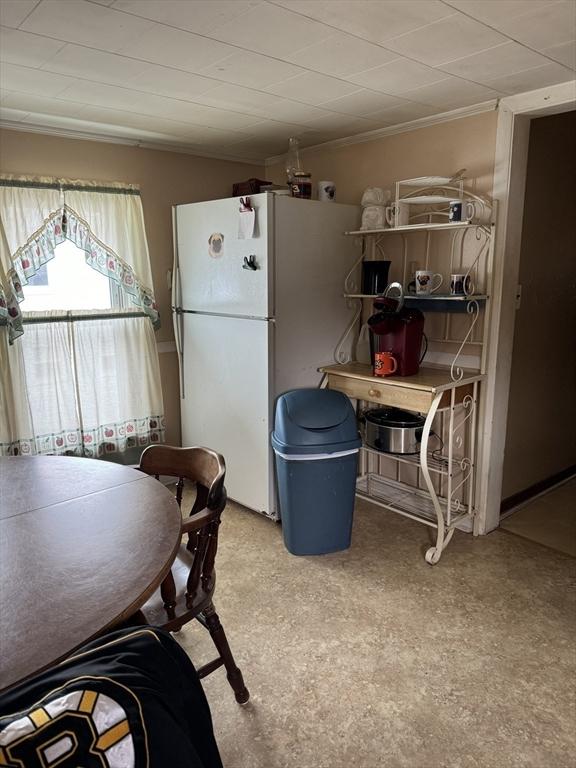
414 393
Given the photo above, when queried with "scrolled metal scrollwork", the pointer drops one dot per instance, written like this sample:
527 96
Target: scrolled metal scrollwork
340 354
456 372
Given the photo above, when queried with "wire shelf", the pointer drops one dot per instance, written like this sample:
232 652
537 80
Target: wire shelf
404 499
438 464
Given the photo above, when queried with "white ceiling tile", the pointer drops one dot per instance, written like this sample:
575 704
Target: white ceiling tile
13 12
373 20
276 130
294 112
312 138
182 130
18 47
335 122
135 120
170 82
174 48
565 53
530 79
85 24
272 30
43 104
342 55
212 137
446 40
112 69
101 95
257 147
94 65
252 70
451 93
209 117
115 69
398 76
200 16
493 12
241 99
361 102
16 115
403 113
16 78
504 59
111 96
551 25
312 88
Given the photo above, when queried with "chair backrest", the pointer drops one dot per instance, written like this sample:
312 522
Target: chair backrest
207 469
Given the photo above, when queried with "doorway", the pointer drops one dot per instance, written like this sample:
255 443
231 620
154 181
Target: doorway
540 444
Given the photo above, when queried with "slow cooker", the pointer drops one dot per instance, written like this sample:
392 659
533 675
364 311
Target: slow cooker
392 430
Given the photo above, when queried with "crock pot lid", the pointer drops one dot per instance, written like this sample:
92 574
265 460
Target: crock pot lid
394 417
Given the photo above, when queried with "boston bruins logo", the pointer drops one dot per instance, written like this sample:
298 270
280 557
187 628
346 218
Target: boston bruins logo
82 728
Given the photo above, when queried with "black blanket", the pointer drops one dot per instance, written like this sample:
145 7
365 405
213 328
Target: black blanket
131 699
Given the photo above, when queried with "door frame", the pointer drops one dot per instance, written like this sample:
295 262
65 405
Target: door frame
510 164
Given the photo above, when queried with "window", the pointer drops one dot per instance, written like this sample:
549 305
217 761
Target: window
66 282
79 369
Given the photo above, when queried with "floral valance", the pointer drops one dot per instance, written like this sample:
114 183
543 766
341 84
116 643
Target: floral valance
106 222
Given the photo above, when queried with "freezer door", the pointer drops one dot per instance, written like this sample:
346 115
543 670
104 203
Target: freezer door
210 258
226 403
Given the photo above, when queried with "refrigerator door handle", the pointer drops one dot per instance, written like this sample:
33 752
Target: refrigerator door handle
177 315
177 306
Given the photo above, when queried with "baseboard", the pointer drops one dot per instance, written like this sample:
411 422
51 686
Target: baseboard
537 489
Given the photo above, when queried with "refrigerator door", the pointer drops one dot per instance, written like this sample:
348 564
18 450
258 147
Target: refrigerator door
226 400
312 259
212 260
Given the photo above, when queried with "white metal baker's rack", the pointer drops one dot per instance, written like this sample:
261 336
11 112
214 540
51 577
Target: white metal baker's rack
447 499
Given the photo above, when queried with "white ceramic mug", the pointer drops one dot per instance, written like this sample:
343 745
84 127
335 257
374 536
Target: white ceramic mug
461 211
397 215
460 284
326 191
425 282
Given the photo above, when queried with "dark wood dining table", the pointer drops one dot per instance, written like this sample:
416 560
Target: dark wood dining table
83 545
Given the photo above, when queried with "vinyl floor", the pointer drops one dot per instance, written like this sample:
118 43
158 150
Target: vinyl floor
371 658
549 519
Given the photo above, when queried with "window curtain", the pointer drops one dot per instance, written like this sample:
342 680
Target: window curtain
84 387
84 383
106 222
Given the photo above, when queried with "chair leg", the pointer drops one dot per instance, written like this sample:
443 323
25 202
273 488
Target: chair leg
218 635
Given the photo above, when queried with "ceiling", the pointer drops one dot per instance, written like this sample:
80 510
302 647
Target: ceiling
236 78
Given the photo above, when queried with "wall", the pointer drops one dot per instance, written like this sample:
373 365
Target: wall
434 150
165 179
540 436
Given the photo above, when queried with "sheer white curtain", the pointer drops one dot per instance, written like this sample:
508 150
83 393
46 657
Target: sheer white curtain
86 387
86 383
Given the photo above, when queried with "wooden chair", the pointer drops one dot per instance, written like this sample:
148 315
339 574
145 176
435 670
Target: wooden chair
186 593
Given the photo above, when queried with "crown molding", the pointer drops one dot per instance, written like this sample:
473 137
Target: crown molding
411 125
70 133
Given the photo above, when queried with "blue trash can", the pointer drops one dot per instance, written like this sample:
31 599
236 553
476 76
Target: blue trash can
316 443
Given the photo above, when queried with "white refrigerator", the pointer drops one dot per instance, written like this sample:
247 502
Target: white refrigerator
254 318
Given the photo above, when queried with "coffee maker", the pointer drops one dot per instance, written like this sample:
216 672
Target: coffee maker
398 330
